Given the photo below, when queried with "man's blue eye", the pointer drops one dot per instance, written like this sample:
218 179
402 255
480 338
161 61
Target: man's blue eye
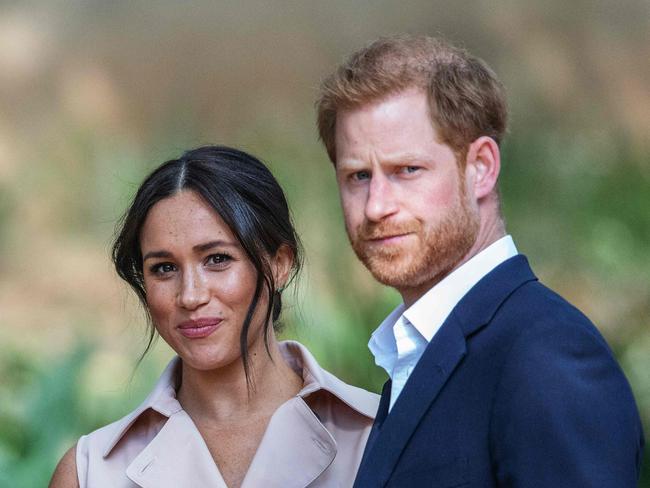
361 175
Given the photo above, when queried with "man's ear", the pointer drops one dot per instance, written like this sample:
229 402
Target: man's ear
483 165
281 265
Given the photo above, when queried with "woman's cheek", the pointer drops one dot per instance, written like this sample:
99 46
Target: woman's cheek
160 302
237 286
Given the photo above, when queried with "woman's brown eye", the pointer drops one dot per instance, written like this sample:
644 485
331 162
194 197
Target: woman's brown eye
218 258
162 268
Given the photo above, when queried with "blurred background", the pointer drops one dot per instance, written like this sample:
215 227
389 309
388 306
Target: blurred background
94 94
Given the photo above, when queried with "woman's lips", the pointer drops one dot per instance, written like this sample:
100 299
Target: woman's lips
199 328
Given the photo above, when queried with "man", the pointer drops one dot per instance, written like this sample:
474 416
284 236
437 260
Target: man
494 379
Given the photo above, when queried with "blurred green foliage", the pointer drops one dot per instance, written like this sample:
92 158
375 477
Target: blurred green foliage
46 406
40 412
84 118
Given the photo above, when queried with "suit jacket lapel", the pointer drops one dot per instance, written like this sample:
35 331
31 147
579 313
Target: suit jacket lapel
382 412
441 357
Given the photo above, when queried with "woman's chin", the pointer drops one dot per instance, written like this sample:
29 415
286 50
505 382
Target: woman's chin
209 360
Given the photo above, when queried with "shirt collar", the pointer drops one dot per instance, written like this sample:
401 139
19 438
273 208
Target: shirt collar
163 397
382 341
429 312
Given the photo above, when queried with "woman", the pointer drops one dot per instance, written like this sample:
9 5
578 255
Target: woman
208 246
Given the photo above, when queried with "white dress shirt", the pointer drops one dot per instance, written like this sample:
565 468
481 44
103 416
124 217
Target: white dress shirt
400 340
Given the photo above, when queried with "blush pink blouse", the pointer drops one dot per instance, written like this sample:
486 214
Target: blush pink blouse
314 439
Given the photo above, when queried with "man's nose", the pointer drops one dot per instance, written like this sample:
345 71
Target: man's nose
193 290
382 201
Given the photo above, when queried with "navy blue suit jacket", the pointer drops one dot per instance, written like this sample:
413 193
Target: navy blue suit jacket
516 389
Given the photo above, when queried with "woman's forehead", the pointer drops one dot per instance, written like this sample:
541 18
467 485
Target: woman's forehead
184 218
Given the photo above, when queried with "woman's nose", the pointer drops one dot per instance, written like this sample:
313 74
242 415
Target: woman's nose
193 291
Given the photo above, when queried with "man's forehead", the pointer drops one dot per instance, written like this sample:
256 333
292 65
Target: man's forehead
400 156
388 104
398 129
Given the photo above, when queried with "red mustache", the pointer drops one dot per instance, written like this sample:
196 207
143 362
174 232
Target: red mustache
369 231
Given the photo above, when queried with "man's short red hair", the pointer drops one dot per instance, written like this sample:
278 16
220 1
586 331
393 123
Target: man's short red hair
466 99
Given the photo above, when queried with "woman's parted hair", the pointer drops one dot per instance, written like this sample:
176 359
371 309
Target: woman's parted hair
244 193
466 99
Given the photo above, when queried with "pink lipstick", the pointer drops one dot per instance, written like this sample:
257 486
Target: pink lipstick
199 328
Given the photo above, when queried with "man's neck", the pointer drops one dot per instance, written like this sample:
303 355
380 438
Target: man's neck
488 234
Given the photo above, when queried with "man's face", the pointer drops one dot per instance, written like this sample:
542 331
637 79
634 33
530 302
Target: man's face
408 213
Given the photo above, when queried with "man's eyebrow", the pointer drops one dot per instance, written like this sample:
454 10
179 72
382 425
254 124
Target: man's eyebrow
407 158
198 248
392 160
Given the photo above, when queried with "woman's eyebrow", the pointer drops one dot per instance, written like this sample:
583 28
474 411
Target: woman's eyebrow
157 254
212 244
198 248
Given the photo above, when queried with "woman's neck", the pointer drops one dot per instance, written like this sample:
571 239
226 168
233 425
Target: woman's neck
224 394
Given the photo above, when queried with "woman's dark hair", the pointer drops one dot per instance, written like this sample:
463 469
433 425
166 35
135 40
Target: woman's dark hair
244 193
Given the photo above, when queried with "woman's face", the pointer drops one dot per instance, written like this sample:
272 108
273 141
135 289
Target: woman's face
199 282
